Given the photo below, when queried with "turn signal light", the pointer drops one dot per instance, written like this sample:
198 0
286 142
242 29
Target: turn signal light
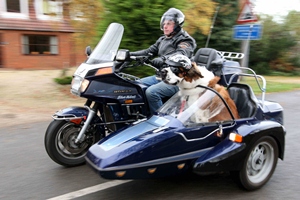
76 121
181 166
235 137
128 101
105 70
120 173
151 170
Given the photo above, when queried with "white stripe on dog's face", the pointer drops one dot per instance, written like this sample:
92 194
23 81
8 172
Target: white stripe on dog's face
170 77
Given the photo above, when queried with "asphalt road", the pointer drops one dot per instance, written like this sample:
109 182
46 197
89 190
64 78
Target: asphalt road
28 173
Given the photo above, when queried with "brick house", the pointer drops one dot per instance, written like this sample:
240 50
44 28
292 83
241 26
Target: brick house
34 34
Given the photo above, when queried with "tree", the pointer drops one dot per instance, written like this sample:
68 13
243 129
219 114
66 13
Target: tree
198 15
272 52
291 22
141 19
85 15
222 33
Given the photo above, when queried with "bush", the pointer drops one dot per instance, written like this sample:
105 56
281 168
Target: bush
140 71
261 68
63 80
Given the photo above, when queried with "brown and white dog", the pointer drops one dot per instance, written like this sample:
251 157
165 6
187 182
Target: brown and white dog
187 80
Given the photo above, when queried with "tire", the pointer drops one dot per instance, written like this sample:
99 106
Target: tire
259 164
60 142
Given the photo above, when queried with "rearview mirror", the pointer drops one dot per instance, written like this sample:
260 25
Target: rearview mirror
122 55
88 51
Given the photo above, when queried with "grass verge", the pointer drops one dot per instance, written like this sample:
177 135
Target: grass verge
274 84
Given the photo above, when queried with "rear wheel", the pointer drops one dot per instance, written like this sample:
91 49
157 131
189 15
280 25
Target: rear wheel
259 164
60 142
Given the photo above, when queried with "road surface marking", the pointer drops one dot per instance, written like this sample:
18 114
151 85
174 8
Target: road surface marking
89 190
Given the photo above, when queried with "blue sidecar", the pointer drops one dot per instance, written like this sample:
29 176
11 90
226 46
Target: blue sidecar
183 137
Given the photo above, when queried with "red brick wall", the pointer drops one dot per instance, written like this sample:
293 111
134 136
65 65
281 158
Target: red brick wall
69 55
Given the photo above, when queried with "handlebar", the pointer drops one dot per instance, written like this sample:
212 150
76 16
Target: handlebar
139 61
143 59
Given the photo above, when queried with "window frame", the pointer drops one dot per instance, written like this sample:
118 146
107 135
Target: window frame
40 14
19 6
24 10
53 45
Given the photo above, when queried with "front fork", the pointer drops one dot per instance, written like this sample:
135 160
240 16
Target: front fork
92 112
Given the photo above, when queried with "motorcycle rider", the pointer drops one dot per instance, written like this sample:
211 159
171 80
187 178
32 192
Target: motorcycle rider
175 40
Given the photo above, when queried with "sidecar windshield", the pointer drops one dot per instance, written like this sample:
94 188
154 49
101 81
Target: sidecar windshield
196 108
108 46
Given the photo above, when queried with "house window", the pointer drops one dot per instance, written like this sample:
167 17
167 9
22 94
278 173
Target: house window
13 6
49 9
39 44
52 7
17 9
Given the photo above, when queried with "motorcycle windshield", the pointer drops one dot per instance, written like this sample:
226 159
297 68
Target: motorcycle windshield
108 46
196 108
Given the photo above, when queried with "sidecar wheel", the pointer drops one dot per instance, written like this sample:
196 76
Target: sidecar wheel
259 164
60 143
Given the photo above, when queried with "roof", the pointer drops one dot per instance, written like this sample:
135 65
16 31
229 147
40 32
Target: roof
35 25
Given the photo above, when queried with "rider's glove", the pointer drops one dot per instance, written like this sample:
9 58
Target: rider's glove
158 62
147 61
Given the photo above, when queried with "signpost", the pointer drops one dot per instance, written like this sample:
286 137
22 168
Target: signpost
247 32
246 15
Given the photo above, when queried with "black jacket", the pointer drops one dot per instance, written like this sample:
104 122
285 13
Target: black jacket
181 42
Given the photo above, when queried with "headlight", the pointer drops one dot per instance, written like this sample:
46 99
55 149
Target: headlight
79 85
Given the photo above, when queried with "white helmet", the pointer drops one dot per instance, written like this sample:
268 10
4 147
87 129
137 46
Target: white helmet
179 60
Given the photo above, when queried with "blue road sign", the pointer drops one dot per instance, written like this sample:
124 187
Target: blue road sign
247 32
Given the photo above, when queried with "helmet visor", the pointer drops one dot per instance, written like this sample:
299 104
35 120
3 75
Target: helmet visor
168 20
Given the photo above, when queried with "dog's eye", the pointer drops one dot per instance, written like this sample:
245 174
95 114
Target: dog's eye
175 70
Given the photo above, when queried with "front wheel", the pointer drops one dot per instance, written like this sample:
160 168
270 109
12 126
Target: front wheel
259 164
60 142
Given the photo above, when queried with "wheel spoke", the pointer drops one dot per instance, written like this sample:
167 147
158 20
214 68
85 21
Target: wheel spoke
260 161
66 142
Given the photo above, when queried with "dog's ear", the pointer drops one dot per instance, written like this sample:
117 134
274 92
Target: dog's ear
195 70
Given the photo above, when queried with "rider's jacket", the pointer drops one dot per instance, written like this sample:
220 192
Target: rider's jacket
165 46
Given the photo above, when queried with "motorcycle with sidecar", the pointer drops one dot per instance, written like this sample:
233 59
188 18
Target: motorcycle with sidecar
171 142
115 99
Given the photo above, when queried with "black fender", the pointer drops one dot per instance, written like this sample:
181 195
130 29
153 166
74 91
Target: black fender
72 112
251 132
77 114
229 155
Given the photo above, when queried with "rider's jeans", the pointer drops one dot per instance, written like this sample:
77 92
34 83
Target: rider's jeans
157 91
